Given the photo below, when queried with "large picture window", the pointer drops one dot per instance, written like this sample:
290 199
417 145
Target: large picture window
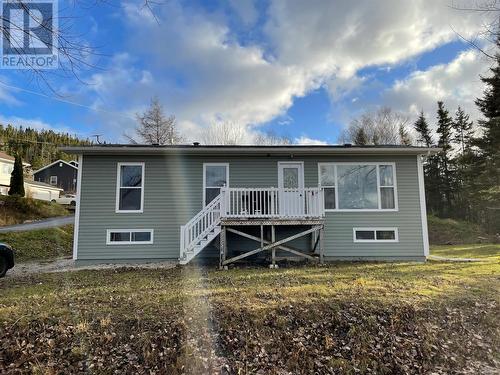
363 186
130 187
215 176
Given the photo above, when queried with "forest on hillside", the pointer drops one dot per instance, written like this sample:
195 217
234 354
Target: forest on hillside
37 147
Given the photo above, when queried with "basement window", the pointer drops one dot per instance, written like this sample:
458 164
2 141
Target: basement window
129 236
375 235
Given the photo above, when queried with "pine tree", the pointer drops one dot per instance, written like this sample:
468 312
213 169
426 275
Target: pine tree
17 178
489 143
405 138
444 157
463 131
360 138
422 129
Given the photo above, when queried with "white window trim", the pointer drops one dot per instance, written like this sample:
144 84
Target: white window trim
375 229
113 243
205 165
118 171
50 180
77 211
336 209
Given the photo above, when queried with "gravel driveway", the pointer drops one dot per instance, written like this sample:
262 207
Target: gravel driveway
40 224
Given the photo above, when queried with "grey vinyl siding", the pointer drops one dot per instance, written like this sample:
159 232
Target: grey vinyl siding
174 190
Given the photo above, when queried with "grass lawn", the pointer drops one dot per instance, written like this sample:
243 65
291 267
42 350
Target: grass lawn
478 251
40 244
15 210
385 318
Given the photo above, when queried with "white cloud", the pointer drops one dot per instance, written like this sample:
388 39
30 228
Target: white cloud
195 64
456 83
34 123
309 141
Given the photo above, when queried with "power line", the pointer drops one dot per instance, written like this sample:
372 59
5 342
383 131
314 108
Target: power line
66 101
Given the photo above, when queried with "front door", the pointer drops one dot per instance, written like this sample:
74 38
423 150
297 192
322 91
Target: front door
291 185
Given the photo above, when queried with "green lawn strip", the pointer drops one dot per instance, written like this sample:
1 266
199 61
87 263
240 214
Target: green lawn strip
476 251
40 244
368 317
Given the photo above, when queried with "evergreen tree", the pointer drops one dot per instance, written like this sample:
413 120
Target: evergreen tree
404 136
444 130
489 143
360 138
422 129
463 131
17 178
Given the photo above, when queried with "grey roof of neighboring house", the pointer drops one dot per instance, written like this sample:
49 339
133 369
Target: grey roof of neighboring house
54 163
105 149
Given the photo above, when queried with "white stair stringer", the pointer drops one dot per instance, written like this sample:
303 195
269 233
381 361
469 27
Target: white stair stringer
202 229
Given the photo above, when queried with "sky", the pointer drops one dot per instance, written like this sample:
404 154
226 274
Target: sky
300 69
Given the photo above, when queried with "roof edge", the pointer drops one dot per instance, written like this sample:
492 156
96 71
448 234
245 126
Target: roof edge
158 150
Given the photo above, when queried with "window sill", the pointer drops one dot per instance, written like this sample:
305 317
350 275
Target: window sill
129 211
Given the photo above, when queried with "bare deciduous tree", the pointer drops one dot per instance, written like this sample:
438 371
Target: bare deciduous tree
230 133
225 133
75 54
383 127
154 127
271 139
490 14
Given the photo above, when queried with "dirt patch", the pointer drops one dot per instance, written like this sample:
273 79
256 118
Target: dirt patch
67 265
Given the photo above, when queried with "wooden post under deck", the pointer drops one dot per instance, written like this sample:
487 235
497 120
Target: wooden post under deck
321 243
273 251
223 246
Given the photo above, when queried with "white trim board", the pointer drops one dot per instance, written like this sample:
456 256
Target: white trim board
54 163
114 243
205 165
77 209
423 207
375 229
378 164
117 203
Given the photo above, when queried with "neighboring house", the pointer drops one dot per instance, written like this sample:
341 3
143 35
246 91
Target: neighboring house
60 173
149 203
6 167
41 190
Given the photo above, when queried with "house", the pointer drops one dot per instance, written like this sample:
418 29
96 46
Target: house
41 191
6 167
33 189
60 173
148 203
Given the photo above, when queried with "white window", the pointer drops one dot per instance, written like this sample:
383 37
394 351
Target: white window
358 186
375 234
215 176
129 236
327 182
53 180
130 187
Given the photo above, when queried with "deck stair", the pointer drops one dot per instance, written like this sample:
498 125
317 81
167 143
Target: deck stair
200 231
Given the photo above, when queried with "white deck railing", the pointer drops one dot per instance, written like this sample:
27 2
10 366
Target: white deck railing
272 203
